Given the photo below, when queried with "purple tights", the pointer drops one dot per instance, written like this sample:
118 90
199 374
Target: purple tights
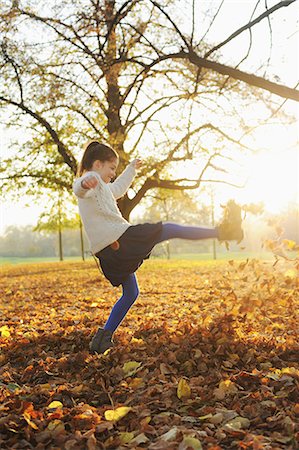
130 286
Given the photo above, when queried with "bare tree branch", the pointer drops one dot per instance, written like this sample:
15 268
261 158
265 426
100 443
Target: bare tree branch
68 158
172 22
250 24
211 23
9 59
253 80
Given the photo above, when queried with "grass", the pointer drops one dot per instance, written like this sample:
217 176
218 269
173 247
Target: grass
37 259
5 260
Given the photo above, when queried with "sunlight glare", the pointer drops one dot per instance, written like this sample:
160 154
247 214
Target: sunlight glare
273 179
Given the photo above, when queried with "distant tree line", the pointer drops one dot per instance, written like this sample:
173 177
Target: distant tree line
25 242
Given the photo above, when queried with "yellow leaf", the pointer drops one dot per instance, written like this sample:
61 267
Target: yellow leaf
184 390
126 437
27 417
56 425
136 383
77 389
290 245
5 332
118 413
54 405
290 371
190 443
137 341
147 420
290 273
96 303
238 423
131 367
225 388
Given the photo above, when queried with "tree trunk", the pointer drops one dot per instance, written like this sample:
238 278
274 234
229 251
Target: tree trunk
60 244
60 229
81 240
213 224
114 99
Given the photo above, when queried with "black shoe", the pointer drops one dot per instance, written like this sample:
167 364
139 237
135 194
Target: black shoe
101 341
230 227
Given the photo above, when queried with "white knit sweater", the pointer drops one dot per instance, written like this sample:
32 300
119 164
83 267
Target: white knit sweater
99 212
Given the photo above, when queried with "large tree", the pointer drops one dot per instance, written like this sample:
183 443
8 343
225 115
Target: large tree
133 73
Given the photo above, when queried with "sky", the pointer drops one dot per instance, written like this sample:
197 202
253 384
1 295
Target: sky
271 175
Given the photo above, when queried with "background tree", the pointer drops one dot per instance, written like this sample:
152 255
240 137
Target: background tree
74 71
55 219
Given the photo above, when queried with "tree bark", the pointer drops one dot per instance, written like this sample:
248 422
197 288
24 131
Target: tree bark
114 100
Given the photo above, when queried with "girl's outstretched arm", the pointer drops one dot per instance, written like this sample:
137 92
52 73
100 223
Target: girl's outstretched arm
122 183
83 186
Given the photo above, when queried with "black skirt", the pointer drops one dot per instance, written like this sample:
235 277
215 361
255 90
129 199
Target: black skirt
136 245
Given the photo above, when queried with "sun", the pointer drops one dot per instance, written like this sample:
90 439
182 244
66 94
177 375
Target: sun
273 178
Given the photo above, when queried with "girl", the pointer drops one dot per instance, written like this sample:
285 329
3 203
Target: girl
120 246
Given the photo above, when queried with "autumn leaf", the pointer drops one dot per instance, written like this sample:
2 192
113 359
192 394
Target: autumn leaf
117 414
56 425
224 338
289 244
225 388
140 439
183 389
5 331
130 368
238 423
27 417
190 443
136 383
126 437
54 405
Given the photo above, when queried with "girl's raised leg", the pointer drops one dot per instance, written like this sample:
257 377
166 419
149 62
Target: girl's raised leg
172 230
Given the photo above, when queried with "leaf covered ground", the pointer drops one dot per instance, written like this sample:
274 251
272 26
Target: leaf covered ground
206 358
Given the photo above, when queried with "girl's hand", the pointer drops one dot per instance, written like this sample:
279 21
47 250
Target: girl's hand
90 182
137 163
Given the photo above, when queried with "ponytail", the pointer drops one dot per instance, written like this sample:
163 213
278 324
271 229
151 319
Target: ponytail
93 152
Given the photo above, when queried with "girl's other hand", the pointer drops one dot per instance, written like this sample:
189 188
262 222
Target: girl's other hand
90 182
137 163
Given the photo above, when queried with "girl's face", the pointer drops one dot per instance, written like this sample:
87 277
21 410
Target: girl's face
106 169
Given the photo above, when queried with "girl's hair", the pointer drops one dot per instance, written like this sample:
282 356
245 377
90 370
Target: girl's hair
93 152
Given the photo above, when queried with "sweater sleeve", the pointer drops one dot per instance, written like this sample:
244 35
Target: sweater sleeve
79 190
122 183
